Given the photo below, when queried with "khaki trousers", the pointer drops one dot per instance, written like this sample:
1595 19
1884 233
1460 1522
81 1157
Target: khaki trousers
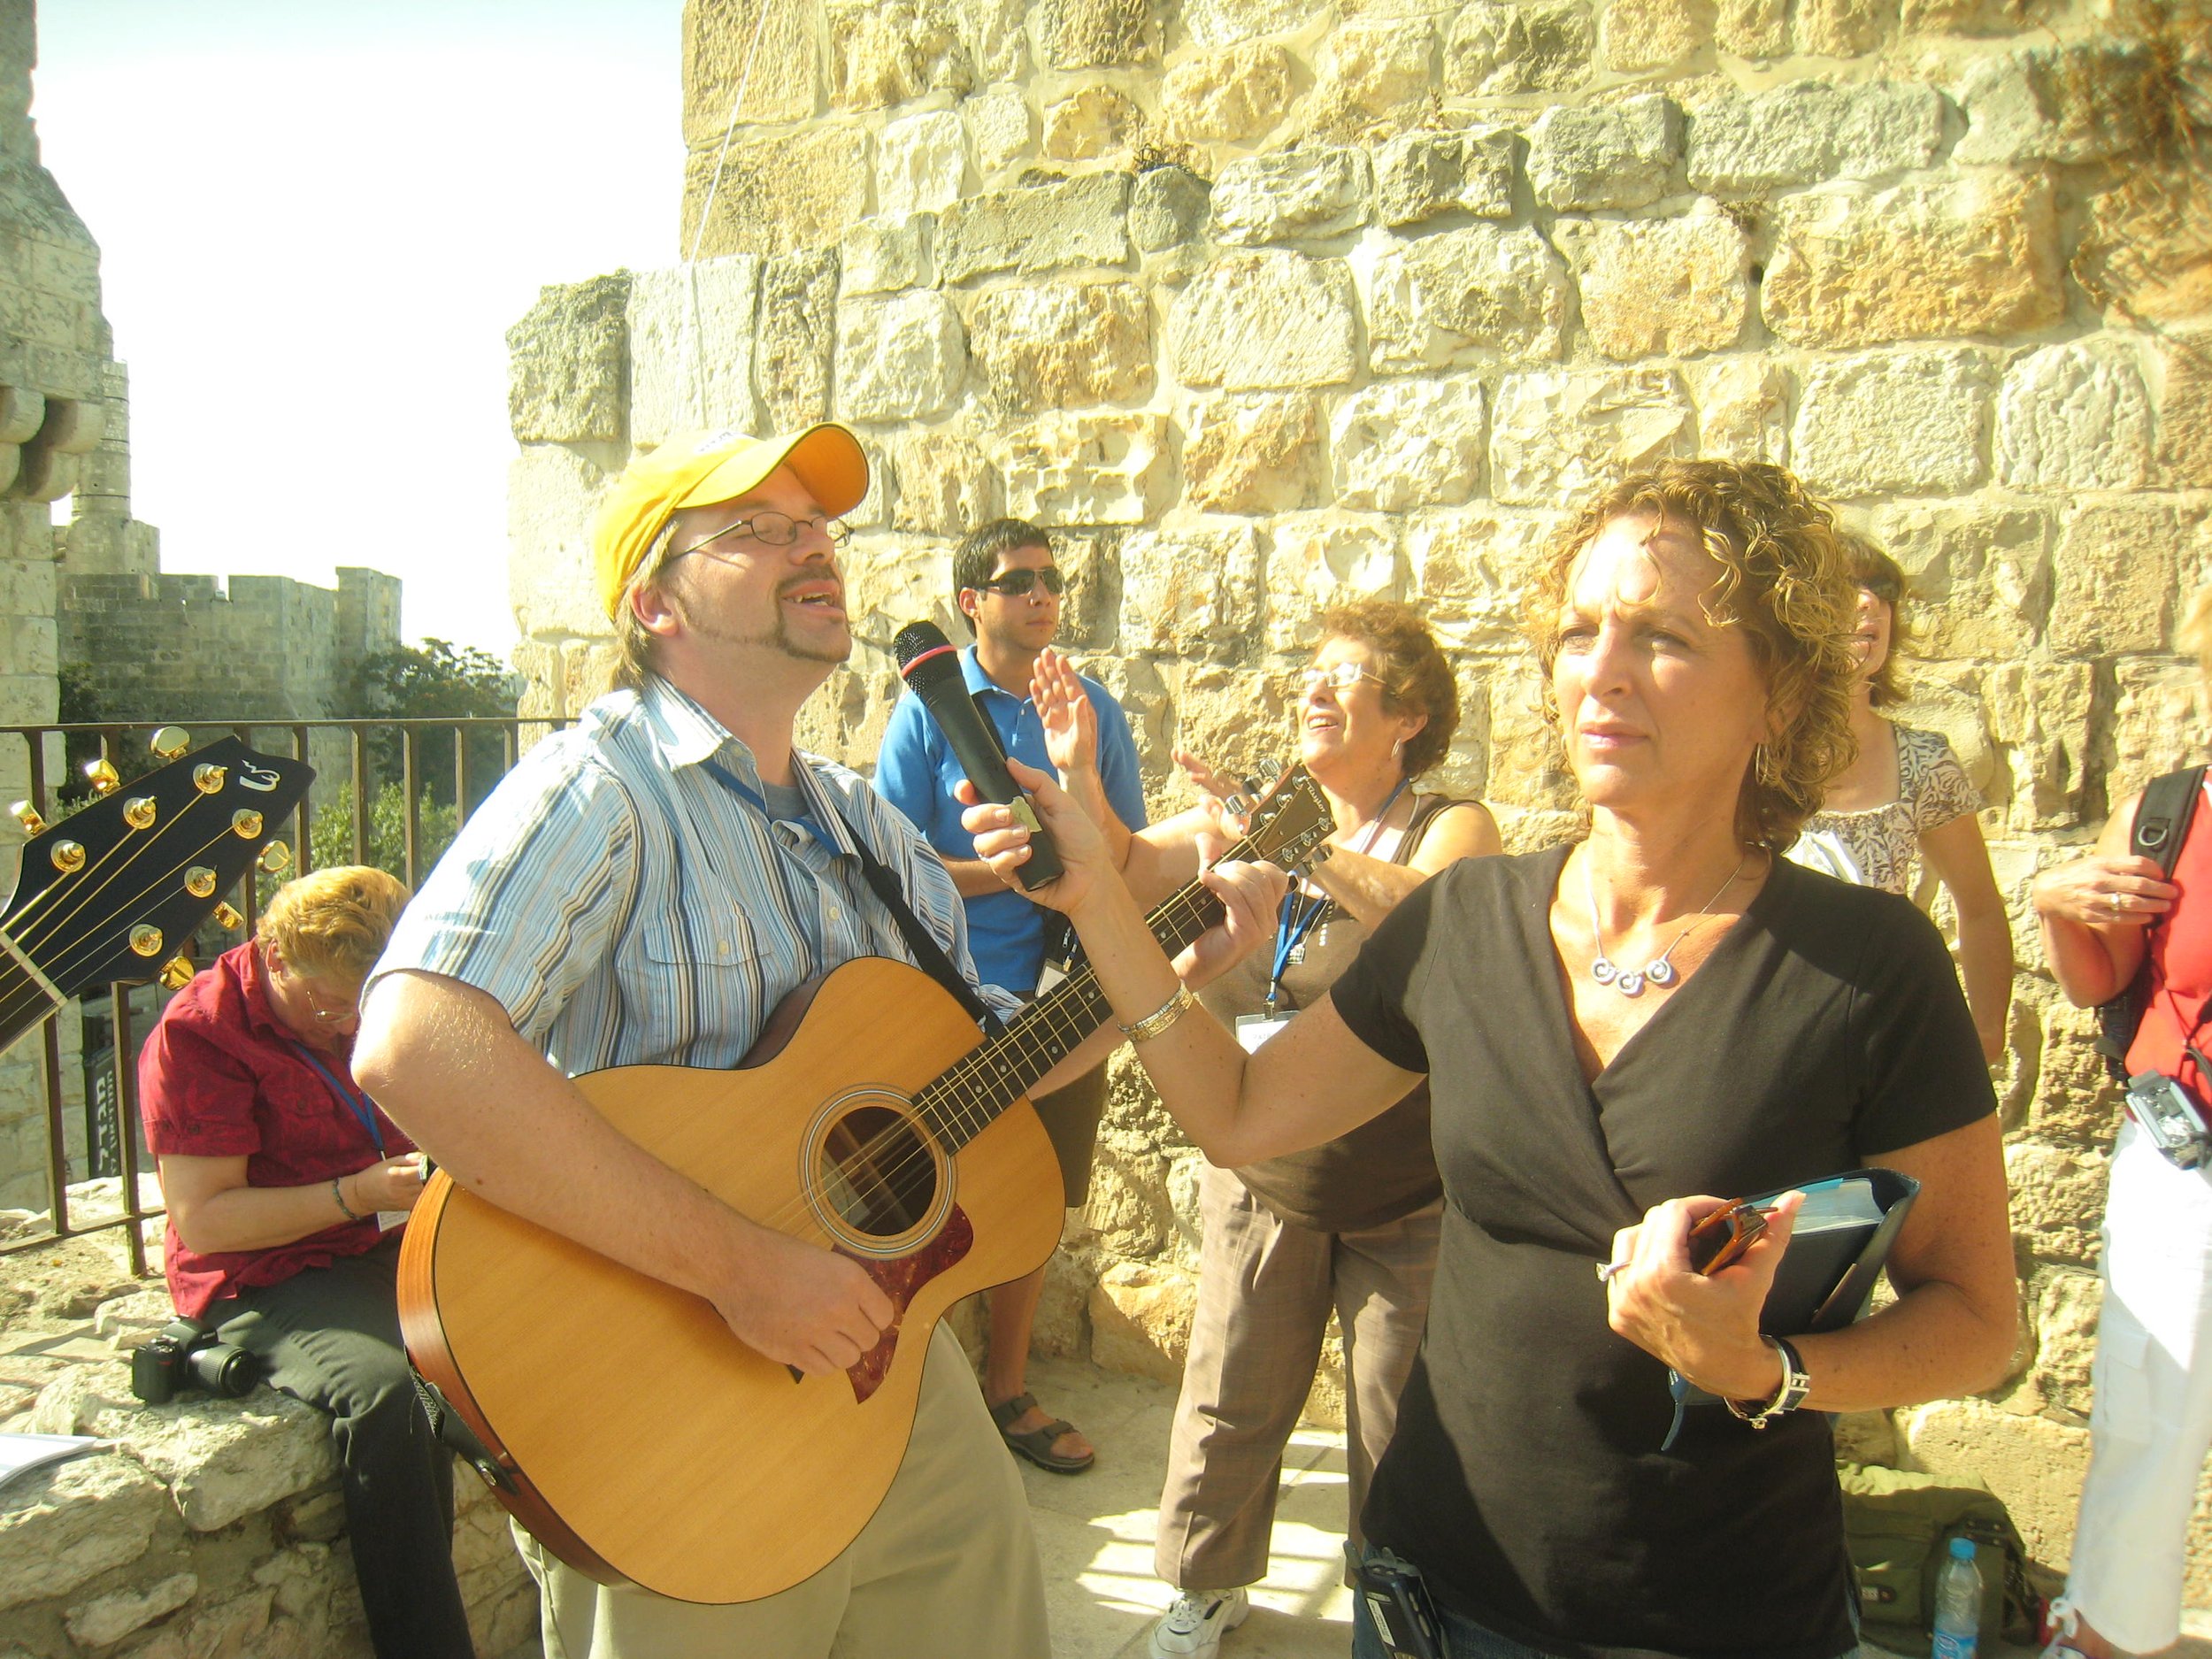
1265 1291
947 1568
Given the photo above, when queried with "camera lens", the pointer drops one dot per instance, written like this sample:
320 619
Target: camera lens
221 1369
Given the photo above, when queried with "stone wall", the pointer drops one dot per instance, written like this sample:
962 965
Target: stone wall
1263 302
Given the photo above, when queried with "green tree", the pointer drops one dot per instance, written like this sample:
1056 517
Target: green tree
436 680
330 840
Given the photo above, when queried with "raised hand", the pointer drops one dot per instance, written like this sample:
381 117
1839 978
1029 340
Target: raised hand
1063 708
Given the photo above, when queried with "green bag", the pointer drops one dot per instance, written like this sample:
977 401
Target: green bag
1898 1528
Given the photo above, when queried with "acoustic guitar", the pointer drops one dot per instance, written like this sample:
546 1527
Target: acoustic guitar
106 894
617 1418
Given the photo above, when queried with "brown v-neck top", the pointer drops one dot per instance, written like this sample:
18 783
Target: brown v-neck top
1525 1480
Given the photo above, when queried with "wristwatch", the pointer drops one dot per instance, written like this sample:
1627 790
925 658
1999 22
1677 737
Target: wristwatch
1795 1386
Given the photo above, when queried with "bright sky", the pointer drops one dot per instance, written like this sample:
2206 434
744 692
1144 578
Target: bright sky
317 223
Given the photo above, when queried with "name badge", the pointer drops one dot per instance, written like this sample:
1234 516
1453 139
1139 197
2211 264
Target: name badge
1255 1029
386 1220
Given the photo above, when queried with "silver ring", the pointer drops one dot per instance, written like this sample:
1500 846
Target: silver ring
1606 1269
2118 900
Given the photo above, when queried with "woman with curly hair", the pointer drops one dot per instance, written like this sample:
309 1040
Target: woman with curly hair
1617 1036
1907 796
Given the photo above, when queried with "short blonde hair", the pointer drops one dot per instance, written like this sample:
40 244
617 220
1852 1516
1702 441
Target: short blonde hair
333 923
2196 634
1783 580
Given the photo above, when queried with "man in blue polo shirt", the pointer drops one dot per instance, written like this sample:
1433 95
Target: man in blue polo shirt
1006 584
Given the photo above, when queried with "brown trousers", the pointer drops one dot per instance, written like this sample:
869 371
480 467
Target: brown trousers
1265 1291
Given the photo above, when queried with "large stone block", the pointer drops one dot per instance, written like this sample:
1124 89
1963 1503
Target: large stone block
2044 712
1469 573
1227 22
1843 28
2062 1304
1234 94
1045 228
1911 423
718 37
1528 763
691 331
886 51
1263 321
1669 288
798 321
64 1528
882 256
944 483
1168 208
2084 100
1466 296
2159 719
1976 254
2057 1198
1001 128
1405 444
890 581
1753 28
920 162
1624 155
1371 66
1064 345
2034 1464
1097 34
1742 408
1089 469
1141 1316
1421 174
1556 434
1254 454
1642 36
996 34
1316 192
565 362
552 494
1804 131
2116 576
2074 416
105 1620
1981 577
2185 410
1190 590
1501 47
798 189
2146 249
1091 121
900 356
1320 559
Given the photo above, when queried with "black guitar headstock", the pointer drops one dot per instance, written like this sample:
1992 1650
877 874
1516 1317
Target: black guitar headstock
116 889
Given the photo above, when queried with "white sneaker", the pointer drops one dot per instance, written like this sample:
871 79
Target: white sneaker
1194 1625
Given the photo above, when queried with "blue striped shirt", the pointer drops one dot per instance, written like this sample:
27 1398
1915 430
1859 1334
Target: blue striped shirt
625 907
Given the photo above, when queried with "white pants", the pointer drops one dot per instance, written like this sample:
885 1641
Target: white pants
2152 1422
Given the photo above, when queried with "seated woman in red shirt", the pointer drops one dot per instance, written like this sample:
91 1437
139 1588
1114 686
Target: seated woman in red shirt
288 1190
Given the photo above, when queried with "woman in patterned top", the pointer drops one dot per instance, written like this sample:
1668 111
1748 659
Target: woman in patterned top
1907 794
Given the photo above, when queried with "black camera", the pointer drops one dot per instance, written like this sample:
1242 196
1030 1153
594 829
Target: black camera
186 1356
2167 1113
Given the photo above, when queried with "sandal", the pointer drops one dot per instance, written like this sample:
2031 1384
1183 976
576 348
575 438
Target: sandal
1036 1444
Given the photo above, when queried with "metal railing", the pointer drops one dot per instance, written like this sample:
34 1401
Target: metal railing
380 763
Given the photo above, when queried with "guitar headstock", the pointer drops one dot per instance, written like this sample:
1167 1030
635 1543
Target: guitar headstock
1288 823
115 889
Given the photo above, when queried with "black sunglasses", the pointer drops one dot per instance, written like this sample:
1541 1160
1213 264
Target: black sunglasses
1015 583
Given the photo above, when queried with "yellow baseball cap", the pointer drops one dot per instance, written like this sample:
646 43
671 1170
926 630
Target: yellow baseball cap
697 469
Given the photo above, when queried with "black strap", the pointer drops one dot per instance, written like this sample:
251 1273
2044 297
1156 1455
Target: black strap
929 956
2162 817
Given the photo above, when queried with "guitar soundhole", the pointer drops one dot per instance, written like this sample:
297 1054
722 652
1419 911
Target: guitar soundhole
877 1173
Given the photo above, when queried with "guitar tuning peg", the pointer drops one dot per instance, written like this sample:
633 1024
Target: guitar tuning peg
276 858
207 779
68 856
24 813
245 825
199 881
176 973
226 916
1269 768
101 775
138 812
146 940
169 742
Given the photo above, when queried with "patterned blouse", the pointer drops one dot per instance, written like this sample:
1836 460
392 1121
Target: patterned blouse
1874 849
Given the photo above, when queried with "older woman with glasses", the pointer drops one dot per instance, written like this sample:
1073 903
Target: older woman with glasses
1907 796
287 1187
1618 1036
1347 1227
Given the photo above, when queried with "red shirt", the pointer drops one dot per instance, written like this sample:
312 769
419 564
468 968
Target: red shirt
221 1076
2180 953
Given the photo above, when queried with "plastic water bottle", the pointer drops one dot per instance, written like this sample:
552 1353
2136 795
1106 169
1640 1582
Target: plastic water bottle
1958 1609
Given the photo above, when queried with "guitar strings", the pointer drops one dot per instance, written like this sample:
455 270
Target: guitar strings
133 851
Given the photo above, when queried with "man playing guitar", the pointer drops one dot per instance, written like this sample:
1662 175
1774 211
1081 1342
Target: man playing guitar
644 887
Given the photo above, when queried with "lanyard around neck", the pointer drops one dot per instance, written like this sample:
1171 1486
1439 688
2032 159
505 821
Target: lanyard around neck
1297 921
361 1105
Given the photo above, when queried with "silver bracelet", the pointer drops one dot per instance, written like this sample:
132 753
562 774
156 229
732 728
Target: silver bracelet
1795 1386
1160 1017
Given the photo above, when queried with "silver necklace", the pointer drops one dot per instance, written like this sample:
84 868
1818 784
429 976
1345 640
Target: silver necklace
1658 971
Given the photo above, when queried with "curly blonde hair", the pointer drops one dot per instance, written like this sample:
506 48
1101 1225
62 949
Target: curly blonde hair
1415 677
1871 568
332 923
1783 580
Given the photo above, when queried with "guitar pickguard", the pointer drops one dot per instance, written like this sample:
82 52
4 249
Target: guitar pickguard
899 1278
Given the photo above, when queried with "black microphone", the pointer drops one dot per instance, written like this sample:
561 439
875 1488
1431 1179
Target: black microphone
931 665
